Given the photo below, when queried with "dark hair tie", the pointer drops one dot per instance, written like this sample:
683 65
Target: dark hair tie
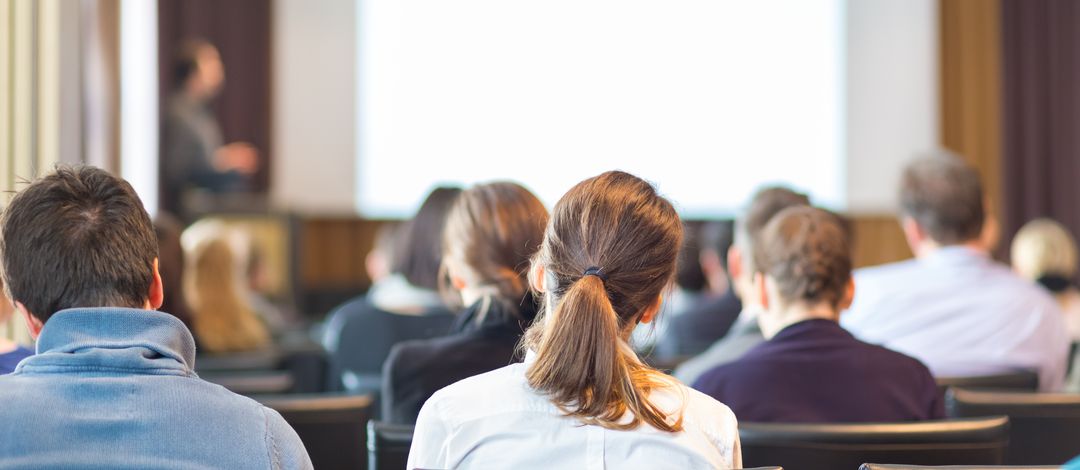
596 271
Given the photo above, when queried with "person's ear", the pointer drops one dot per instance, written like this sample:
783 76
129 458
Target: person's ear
537 277
913 232
650 313
849 295
156 296
761 290
734 262
33 324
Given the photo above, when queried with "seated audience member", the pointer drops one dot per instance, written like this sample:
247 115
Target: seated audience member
657 339
112 385
710 319
10 352
171 264
224 318
953 307
582 398
490 233
1044 251
810 369
745 333
402 303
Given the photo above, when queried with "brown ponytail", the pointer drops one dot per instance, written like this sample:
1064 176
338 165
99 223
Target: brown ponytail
615 222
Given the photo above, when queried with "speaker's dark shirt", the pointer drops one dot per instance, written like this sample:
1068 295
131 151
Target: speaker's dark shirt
486 338
816 372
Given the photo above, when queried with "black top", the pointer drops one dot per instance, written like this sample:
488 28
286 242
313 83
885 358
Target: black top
485 339
816 372
359 336
693 331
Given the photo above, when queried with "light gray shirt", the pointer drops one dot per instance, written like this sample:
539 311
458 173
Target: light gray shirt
961 314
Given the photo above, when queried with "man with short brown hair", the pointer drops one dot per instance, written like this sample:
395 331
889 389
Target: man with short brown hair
810 369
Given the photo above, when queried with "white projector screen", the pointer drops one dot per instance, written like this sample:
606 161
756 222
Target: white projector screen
708 99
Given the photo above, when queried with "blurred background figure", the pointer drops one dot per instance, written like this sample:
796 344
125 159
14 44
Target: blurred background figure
10 352
403 302
171 266
195 155
717 307
225 320
491 233
1045 252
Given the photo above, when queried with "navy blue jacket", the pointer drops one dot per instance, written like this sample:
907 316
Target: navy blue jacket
816 372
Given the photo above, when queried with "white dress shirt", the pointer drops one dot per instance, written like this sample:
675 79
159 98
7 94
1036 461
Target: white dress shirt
496 420
961 314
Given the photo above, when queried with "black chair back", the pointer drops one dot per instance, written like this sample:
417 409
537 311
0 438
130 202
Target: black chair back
359 337
264 359
1016 381
1045 427
388 445
331 427
839 446
878 466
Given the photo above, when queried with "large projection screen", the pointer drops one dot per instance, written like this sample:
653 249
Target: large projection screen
708 99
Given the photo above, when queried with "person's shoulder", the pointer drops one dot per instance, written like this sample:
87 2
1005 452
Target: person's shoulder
699 411
891 361
715 377
480 392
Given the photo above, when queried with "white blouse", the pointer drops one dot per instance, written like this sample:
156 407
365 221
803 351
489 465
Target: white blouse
496 420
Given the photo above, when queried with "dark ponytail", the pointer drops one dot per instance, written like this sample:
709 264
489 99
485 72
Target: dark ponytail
617 223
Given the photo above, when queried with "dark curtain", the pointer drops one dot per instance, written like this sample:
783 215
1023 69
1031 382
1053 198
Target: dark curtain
241 30
1041 88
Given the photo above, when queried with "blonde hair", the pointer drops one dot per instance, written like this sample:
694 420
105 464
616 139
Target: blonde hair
1044 247
217 294
608 253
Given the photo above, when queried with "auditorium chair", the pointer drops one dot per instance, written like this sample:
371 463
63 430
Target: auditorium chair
1045 427
980 441
388 445
1027 381
878 466
252 382
303 360
265 359
331 426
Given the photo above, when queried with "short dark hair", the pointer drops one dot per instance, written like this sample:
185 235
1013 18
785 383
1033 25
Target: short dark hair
688 273
717 235
807 251
78 237
419 255
944 196
186 62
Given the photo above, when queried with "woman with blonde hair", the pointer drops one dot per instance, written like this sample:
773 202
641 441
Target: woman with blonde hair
582 398
216 291
490 233
1045 252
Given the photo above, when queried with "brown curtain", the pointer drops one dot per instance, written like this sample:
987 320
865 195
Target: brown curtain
1041 45
241 30
970 68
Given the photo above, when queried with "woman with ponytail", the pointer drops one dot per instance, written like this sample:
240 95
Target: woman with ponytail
582 399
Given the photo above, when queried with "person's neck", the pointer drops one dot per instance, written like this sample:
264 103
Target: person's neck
929 247
784 317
